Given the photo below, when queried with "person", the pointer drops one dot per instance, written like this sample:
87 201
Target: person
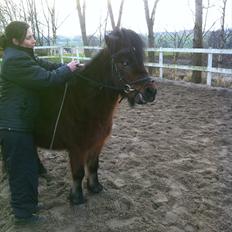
22 76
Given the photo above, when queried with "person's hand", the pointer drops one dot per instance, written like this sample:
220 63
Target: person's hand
73 65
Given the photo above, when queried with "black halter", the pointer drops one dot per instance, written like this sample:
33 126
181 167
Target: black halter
126 85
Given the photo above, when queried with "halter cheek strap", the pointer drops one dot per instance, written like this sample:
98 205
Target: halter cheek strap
127 86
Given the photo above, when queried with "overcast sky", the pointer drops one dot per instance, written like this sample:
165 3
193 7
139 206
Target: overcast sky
172 15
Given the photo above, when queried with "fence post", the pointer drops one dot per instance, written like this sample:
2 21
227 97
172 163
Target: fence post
61 51
209 68
77 54
161 63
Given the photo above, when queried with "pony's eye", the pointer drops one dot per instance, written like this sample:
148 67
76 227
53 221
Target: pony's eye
125 63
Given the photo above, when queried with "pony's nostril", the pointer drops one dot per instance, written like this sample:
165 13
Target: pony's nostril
149 94
150 91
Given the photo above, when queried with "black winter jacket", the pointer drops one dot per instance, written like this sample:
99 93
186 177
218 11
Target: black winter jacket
22 77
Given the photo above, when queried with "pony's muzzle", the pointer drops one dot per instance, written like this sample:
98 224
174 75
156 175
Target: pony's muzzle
145 94
149 94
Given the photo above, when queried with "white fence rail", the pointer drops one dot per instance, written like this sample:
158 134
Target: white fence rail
209 69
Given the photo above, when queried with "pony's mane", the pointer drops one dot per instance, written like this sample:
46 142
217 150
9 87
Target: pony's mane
119 39
125 38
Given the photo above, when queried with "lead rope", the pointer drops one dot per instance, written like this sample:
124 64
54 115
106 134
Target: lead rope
58 116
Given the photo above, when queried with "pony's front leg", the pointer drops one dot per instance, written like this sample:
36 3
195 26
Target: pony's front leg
78 172
93 184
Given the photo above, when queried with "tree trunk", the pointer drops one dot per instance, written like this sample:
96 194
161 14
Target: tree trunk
197 41
151 44
47 20
150 24
110 10
52 20
111 14
37 28
222 33
81 15
120 13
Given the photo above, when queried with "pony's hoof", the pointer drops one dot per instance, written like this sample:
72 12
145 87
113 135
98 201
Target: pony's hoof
76 200
95 188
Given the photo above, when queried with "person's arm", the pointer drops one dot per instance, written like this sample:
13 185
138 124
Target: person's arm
47 64
27 73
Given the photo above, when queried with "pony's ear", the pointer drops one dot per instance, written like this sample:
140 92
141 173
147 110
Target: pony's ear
107 40
110 39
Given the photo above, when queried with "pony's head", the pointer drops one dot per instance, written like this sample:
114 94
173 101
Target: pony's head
127 54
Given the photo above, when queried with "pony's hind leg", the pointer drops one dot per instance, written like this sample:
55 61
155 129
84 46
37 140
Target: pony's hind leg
93 184
78 172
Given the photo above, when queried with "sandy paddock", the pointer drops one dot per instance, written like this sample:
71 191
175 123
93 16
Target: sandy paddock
166 168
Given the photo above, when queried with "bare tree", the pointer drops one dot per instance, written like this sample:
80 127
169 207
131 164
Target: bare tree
206 8
46 24
3 20
197 40
178 39
10 9
110 10
50 22
150 19
30 15
81 9
205 27
52 11
49 12
8 13
25 10
222 36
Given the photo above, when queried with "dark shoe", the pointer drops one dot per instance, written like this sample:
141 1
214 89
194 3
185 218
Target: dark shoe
34 219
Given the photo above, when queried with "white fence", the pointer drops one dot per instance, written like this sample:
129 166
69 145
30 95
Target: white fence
209 69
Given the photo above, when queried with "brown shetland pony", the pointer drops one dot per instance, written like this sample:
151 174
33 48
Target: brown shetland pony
86 118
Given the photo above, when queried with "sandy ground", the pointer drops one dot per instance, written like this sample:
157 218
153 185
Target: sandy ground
166 168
